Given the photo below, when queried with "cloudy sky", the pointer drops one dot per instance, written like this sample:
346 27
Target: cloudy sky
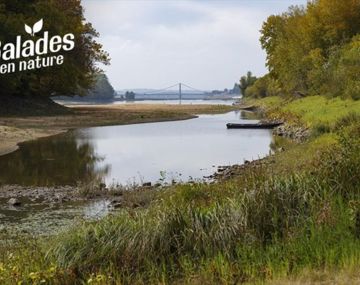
206 44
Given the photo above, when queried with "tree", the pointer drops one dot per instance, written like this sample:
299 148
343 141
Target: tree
102 88
300 43
235 89
129 95
246 81
343 71
263 87
73 77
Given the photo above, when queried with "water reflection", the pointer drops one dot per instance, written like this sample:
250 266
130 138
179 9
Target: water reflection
179 150
177 102
40 219
59 160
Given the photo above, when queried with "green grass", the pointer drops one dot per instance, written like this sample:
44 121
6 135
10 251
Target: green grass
316 110
298 213
267 102
300 157
313 111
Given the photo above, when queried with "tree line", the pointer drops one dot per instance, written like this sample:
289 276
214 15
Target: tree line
311 50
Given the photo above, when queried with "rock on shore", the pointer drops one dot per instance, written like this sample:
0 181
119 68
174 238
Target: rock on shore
295 133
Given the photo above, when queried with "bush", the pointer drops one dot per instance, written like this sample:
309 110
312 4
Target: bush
259 226
264 87
262 214
343 71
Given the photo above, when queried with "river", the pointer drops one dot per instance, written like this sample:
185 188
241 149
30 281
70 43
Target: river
151 152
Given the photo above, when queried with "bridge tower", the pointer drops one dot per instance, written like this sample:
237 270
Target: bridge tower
180 95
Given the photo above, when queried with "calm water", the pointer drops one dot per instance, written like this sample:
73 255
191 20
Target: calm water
177 102
146 152
161 102
180 150
41 219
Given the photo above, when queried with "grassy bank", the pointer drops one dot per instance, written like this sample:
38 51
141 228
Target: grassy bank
16 129
296 217
313 111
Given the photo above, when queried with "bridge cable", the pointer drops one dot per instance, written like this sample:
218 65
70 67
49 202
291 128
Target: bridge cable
160 90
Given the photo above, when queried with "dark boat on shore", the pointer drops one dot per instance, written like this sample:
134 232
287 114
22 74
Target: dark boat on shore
253 126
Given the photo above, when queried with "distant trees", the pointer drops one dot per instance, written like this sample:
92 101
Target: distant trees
236 89
129 95
246 81
312 50
102 89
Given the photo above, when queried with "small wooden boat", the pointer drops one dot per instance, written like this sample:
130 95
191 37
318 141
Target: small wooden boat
253 126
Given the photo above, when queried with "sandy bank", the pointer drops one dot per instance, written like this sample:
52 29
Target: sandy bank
14 130
10 137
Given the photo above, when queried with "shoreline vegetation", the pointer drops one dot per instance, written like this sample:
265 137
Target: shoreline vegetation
18 129
291 217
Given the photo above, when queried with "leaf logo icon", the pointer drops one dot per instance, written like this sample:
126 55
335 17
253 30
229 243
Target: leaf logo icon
35 29
28 29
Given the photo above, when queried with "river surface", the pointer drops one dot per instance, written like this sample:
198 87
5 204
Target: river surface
177 102
151 152
228 102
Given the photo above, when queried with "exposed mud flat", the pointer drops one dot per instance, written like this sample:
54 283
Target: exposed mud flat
10 137
18 129
42 211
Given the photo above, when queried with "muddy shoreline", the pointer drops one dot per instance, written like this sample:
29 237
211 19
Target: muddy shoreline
18 198
12 137
64 194
16 130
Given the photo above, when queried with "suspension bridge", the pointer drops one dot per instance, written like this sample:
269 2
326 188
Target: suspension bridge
178 91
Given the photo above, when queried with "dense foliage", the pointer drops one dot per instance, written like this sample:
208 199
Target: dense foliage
246 81
60 17
313 50
101 90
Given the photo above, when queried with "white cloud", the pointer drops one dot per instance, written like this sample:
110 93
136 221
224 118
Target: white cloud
206 44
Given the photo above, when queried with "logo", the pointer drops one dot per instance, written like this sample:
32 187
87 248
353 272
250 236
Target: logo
40 51
35 29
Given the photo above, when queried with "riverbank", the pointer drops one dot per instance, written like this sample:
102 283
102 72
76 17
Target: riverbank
10 136
292 216
15 129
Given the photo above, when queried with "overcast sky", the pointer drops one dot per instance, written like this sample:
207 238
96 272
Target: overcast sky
206 44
